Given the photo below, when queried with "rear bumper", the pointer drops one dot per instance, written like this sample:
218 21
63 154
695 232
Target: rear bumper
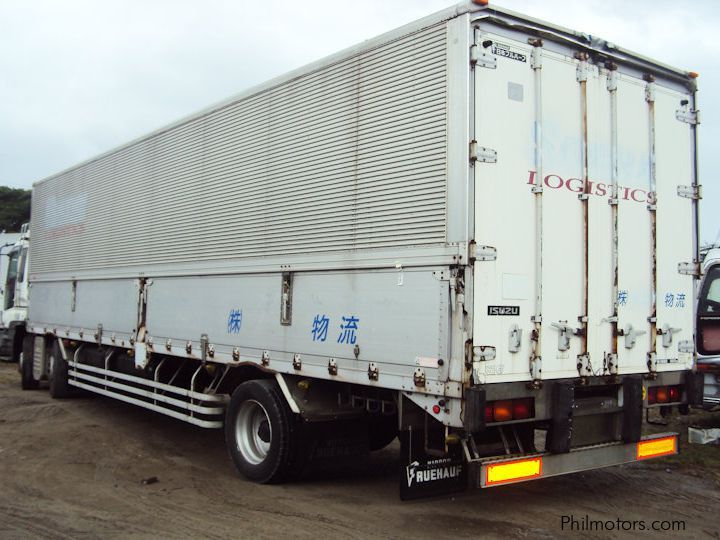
500 471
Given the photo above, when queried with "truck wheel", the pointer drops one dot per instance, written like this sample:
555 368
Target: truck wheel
27 379
261 433
382 432
58 374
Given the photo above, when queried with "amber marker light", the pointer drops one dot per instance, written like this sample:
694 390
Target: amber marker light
513 471
664 446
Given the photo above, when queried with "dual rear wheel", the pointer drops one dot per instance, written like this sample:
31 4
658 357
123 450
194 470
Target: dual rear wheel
270 444
32 371
262 434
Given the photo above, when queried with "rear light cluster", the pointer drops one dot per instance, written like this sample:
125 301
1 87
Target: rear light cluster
664 394
509 409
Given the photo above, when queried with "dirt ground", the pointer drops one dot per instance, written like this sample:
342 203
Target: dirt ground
75 469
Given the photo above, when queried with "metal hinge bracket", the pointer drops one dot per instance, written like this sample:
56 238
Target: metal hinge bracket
688 116
611 363
686 346
612 79
650 92
480 58
582 71
583 365
536 58
483 353
690 192
690 269
482 154
483 253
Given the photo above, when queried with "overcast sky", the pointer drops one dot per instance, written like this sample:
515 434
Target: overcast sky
78 77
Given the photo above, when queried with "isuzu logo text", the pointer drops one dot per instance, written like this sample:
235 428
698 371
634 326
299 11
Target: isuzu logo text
504 310
600 189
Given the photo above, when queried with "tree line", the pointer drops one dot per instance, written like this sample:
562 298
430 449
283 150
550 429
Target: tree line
14 208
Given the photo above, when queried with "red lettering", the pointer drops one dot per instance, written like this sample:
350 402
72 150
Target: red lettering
625 195
632 195
531 180
601 191
579 184
560 180
651 197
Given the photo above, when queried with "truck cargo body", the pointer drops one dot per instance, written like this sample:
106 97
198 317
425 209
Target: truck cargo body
474 223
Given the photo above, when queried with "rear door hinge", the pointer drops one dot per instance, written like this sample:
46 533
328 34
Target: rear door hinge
689 192
690 269
582 71
480 57
688 116
536 58
484 353
482 154
583 365
650 92
482 253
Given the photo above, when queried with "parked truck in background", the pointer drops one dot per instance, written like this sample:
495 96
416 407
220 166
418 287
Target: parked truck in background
708 328
478 231
14 296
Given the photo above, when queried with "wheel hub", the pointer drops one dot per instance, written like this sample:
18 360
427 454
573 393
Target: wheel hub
253 432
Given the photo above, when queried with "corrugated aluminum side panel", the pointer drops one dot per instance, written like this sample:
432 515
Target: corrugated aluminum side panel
349 156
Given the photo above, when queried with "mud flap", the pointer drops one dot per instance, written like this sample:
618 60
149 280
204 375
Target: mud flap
632 409
695 388
425 476
561 424
474 409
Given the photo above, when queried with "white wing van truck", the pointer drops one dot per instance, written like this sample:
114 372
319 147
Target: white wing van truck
14 294
478 232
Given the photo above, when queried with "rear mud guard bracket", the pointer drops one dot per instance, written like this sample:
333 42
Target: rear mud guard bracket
632 408
560 432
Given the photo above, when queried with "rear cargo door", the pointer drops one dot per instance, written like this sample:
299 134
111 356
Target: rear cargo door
571 290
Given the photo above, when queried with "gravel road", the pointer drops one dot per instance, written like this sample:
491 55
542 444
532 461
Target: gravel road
75 469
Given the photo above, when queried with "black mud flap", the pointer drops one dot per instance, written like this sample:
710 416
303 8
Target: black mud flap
632 408
474 409
561 424
424 476
695 388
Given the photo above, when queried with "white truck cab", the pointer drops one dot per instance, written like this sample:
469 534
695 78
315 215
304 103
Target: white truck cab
15 296
708 328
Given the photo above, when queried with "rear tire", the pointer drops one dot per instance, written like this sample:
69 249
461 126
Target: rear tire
27 378
261 433
58 374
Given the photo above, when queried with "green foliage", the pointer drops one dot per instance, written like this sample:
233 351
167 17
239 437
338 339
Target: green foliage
14 208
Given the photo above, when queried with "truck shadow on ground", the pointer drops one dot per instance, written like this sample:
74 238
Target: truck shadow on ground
378 472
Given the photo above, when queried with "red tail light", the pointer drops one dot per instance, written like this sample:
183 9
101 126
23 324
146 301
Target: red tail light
509 409
664 394
523 408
